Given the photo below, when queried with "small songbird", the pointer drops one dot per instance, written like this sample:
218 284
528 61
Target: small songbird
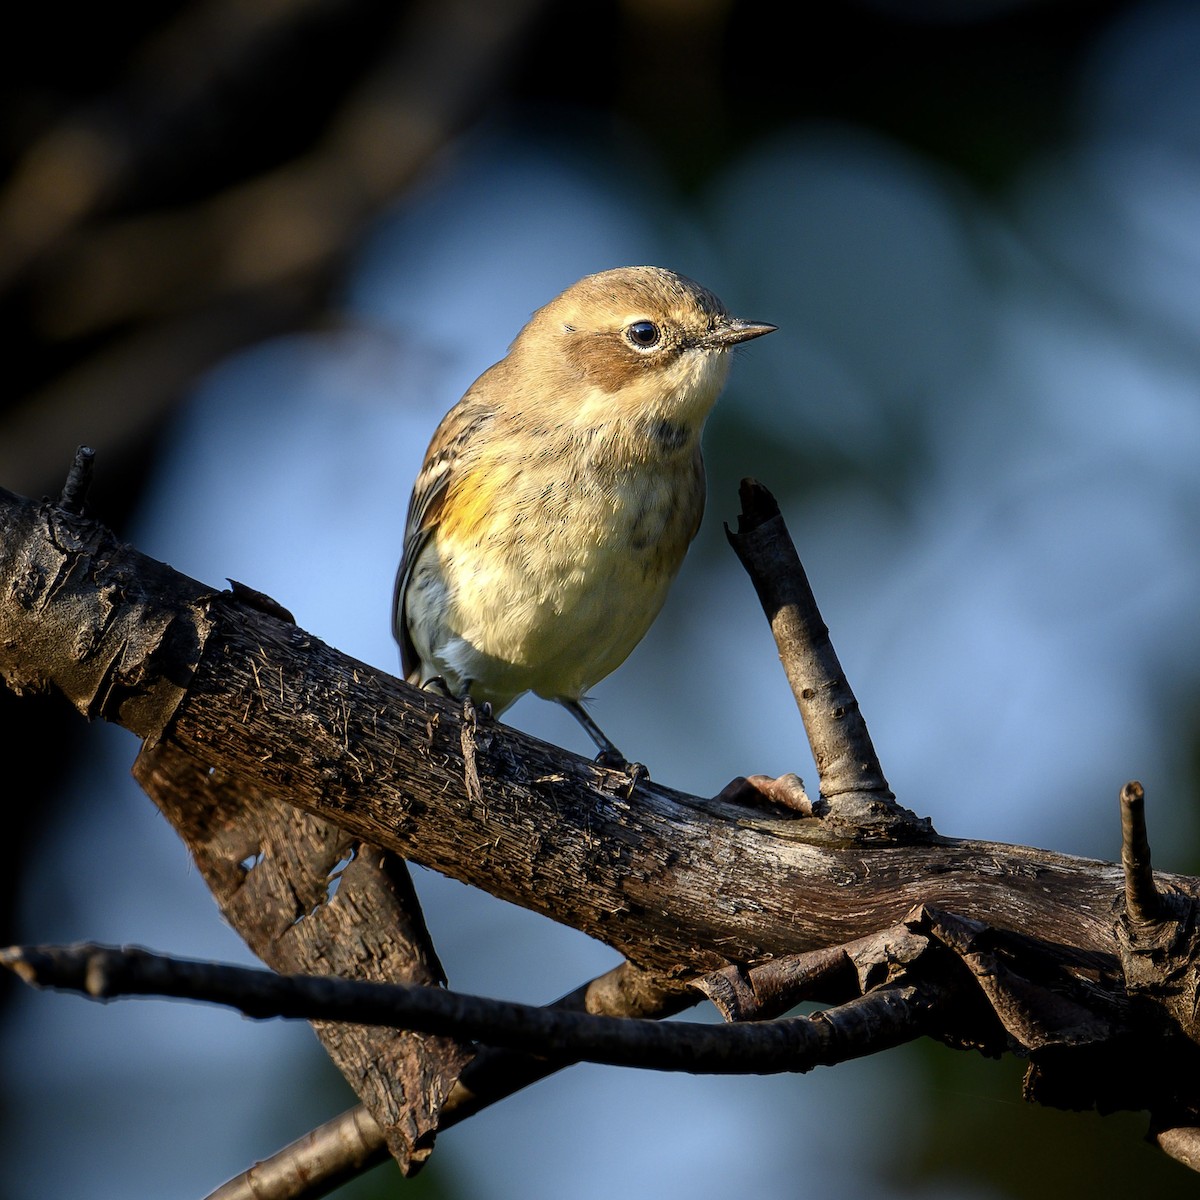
559 495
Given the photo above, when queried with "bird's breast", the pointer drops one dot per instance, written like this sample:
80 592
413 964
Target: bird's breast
559 574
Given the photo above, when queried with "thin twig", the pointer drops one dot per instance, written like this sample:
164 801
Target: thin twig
312 1166
831 974
887 1017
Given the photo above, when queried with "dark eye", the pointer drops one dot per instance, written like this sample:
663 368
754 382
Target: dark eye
643 334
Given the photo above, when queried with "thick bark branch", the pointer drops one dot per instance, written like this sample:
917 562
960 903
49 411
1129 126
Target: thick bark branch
271 868
307 897
676 882
1070 962
672 880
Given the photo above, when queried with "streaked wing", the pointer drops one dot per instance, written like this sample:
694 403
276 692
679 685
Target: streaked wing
443 459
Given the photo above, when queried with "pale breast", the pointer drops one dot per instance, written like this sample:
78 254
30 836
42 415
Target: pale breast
552 592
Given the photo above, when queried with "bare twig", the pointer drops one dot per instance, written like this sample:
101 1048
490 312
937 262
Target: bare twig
831 974
1158 933
335 1152
852 781
626 992
884 1018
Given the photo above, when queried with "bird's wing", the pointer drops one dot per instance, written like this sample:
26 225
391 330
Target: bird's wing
443 462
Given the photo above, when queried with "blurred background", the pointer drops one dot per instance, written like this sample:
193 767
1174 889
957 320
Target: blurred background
251 252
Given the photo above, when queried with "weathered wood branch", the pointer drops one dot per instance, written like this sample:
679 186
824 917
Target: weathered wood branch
1070 959
674 881
309 897
376 932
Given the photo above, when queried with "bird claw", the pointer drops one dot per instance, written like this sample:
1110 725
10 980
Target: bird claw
474 713
613 760
637 774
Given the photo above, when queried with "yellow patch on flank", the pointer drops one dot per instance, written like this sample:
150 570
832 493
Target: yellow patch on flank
469 506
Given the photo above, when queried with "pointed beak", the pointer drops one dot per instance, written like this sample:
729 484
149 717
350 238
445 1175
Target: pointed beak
733 330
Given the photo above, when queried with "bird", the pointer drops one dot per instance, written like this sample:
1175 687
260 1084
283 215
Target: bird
559 496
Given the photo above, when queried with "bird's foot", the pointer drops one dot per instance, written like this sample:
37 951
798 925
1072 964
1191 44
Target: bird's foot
472 712
476 714
611 759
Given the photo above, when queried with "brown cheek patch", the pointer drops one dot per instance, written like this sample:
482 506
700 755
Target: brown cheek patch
603 360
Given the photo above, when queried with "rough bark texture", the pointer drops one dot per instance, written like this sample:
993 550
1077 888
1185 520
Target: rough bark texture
672 880
305 895
854 791
1088 971
308 898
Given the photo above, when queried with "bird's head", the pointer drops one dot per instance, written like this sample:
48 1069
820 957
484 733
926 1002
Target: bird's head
638 342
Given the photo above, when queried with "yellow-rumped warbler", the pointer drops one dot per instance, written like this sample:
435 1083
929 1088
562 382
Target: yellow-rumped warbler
559 495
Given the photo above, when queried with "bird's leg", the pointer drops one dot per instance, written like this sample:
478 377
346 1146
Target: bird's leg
609 755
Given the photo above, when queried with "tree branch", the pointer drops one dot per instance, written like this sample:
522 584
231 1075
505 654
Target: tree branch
337 1151
307 897
865 1025
1066 961
1142 901
79 480
853 787
677 883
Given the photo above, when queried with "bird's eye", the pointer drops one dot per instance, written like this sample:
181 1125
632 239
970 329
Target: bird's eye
643 334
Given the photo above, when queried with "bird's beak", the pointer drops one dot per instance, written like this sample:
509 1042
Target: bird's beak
733 330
